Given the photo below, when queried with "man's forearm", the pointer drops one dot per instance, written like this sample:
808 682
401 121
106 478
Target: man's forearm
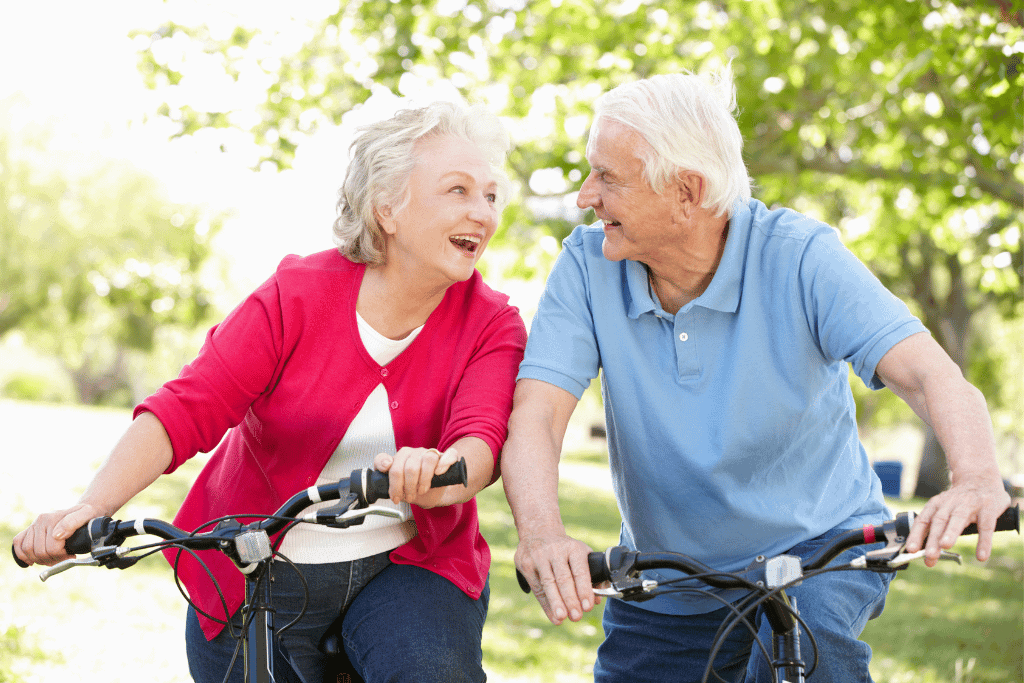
959 416
529 461
529 472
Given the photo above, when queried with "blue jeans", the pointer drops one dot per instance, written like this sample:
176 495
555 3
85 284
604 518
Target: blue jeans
400 623
641 645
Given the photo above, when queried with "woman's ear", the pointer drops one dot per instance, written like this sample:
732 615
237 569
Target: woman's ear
385 219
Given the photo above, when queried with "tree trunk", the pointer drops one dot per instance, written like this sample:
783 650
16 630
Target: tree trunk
949 320
933 475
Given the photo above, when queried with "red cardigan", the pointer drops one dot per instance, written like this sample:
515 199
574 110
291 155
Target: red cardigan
284 375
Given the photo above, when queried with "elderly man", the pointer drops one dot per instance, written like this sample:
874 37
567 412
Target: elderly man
724 331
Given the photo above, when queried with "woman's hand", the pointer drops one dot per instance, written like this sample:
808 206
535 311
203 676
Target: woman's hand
410 471
43 542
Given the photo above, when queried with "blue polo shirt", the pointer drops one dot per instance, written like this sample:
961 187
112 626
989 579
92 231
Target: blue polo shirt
731 425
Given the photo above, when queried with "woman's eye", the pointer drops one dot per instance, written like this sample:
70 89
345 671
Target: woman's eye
459 188
492 198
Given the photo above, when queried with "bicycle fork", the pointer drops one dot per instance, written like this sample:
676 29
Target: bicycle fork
258 646
788 663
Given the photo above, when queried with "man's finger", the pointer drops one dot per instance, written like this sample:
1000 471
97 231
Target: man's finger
555 608
918 533
584 585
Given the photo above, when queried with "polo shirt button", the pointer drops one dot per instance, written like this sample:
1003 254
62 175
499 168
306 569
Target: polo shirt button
683 336
394 405
384 372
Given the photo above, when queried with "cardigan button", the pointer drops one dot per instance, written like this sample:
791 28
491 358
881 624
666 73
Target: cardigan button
394 405
384 372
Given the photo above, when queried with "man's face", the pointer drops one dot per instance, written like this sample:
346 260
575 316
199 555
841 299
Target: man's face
637 220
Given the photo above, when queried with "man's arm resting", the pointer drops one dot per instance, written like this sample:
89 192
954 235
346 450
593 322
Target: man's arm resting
554 564
922 374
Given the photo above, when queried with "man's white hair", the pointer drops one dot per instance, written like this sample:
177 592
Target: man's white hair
688 122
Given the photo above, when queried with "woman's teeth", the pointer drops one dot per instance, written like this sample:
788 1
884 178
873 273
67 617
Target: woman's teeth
466 242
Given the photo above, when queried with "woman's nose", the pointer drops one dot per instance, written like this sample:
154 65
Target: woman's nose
483 211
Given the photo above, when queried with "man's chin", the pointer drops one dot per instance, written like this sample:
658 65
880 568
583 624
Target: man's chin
610 252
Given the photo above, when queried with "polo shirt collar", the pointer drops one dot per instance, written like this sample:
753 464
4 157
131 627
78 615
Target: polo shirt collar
638 289
723 294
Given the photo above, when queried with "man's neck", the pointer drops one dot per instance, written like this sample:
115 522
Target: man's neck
680 279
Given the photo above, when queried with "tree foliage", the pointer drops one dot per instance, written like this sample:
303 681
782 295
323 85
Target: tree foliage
898 122
94 260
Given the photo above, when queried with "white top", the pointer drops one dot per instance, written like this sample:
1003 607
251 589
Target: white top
370 433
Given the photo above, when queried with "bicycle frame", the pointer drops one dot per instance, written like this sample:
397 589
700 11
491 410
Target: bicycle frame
258 643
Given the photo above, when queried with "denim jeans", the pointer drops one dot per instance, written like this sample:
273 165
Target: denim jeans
400 623
641 645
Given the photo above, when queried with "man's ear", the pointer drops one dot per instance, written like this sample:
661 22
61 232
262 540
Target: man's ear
690 189
385 219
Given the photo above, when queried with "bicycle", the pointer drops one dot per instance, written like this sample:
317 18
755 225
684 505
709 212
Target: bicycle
767 579
248 545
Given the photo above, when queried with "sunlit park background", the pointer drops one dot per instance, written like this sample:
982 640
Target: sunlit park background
158 158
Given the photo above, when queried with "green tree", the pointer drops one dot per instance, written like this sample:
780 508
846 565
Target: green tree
94 261
898 122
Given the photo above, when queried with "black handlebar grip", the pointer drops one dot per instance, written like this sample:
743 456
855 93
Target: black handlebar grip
456 474
1008 521
523 583
377 483
79 542
17 559
599 572
376 486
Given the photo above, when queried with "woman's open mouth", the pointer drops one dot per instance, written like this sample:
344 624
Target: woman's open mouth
467 243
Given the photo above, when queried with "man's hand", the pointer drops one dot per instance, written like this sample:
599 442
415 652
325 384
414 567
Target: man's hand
920 372
555 566
979 500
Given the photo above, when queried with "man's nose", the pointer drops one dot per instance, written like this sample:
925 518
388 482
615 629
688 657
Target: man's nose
587 197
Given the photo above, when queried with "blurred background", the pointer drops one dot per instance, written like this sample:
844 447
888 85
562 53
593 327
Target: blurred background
158 158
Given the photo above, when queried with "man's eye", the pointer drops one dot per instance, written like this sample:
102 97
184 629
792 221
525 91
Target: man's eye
459 188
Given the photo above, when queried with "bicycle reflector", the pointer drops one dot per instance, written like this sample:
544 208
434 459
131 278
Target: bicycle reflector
253 546
782 571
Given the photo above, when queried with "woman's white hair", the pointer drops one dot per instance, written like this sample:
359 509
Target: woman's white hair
383 158
688 123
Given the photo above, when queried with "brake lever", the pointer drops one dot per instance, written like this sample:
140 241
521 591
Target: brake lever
340 516
111 557
905 558
628 589
68 564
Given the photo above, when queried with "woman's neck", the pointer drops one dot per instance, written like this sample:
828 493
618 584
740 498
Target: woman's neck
394 305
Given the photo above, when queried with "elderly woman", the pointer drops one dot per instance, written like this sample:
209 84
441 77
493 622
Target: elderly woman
389 351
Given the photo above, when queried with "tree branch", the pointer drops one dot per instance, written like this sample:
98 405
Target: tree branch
1005 189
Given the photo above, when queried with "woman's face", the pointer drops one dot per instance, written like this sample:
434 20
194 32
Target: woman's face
451 215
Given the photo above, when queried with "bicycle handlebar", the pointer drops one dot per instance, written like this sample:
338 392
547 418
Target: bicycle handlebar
603 566
367 485
618 560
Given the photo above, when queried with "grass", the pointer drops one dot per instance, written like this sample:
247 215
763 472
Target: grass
938 622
